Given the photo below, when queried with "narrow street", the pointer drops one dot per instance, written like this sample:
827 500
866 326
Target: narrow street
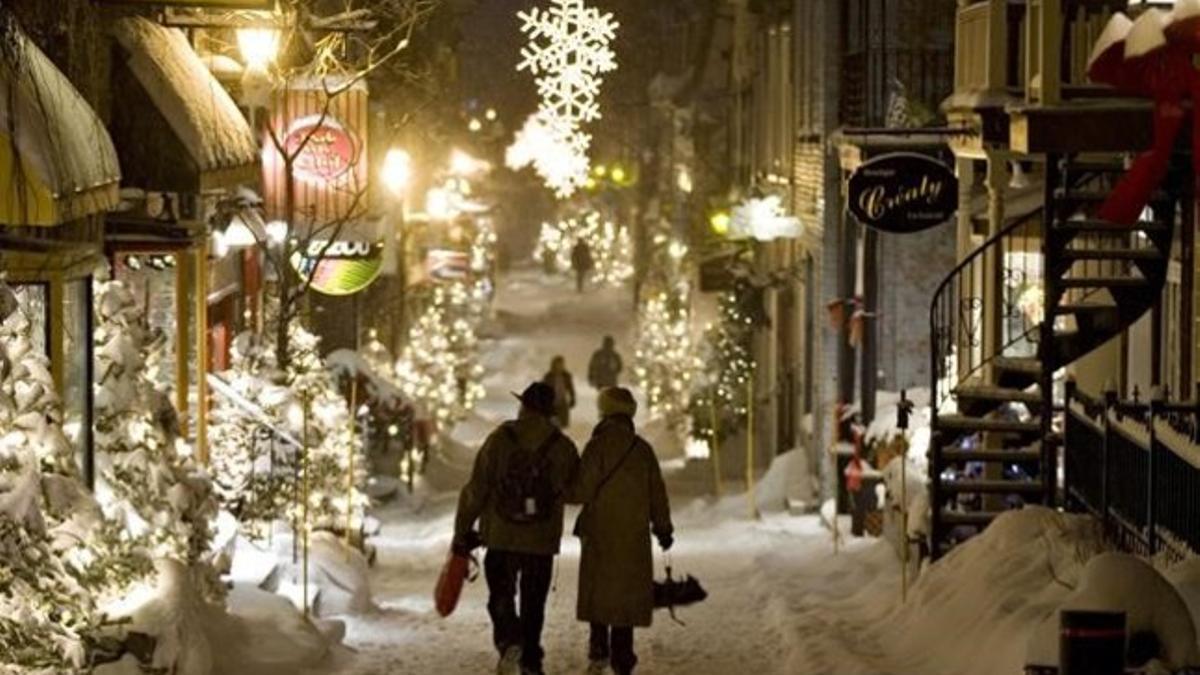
739 629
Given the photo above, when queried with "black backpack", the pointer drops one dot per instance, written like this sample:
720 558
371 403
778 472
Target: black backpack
526 493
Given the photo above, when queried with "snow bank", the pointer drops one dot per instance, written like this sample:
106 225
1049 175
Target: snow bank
1124 583
787 480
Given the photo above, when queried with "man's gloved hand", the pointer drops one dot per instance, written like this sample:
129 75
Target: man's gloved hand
463 545
665 541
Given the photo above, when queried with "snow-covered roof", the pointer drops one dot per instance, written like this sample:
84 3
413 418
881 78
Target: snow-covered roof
70 165
198 109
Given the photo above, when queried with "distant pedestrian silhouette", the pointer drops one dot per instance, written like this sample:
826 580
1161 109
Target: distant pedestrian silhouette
604 370
582 263
624 499
560 380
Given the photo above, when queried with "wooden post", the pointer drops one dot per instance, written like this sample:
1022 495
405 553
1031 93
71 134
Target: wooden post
750 446
715 447
183 329
304 502
202 365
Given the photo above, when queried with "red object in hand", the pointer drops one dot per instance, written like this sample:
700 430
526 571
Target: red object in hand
854 475
455 573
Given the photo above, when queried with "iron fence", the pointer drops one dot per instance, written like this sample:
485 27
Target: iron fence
1136 467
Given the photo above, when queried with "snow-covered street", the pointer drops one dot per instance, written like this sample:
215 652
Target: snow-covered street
754 571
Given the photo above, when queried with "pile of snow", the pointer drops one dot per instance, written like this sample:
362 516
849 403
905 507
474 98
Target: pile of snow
788 481
1116 582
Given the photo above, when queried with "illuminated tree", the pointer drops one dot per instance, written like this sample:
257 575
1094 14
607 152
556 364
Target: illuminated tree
665 360
719 405
610 245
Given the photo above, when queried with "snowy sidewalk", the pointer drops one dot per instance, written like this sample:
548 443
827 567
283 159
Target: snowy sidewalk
752 570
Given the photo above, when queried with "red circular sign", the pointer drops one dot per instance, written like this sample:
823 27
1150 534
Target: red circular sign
327 151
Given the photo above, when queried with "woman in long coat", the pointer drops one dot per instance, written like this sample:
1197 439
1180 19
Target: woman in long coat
625 501
563 383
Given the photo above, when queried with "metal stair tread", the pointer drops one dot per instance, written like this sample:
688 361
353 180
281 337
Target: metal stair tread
1091 225
970 517
967 423
1112 254
1083 308
1020 364
1003 456
1093 166
992 392
972 486
1102 282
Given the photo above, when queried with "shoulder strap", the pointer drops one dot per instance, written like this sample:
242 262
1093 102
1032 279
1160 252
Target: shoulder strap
540 449
616 467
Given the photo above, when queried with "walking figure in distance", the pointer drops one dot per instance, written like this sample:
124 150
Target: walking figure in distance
625 501
560 380
516 492
581 262
604 370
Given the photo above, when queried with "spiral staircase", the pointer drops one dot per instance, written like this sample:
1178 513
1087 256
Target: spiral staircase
1058 284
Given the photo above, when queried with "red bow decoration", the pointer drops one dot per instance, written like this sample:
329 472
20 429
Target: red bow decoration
1152 58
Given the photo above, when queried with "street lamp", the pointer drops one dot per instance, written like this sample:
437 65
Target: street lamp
258 47
396 174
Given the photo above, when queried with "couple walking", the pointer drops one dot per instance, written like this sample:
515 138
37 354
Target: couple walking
524 474
604 369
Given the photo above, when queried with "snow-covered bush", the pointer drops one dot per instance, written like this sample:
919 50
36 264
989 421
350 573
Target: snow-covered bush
439 368
150 482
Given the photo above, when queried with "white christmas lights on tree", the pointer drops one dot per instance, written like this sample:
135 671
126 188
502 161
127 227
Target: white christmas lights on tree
568 53
610 245
665 358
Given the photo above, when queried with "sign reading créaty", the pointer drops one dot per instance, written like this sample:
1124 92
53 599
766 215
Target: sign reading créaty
327 150
903 192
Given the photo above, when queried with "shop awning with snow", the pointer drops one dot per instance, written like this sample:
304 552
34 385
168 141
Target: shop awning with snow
177 128
57 162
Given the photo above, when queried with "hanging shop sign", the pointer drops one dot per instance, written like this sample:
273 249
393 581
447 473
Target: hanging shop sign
443 264
325 150
903 192
342 267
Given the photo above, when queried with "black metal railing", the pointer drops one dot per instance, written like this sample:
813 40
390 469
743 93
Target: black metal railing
1136 466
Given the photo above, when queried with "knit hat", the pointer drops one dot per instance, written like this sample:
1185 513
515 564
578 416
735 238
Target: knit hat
617 401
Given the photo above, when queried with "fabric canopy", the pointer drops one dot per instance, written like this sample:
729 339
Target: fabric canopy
57 162
199 111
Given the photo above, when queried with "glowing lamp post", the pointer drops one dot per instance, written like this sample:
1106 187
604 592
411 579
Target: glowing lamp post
258 47
396 174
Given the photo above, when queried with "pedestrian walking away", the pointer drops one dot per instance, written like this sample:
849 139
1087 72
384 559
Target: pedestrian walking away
581 262
516 492
604 370
625 502
559 379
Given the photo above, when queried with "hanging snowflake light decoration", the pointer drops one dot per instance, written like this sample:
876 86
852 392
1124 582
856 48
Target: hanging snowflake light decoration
569 52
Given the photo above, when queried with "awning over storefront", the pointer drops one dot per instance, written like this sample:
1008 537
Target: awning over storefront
191 137
57 162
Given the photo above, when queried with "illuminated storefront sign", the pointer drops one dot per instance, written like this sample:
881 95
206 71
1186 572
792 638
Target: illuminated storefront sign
325 151
341 267
903 192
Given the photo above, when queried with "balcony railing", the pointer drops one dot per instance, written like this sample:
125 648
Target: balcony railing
1031 49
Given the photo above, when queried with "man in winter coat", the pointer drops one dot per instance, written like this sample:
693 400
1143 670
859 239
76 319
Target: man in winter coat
516 492
625 501
581 262
605 367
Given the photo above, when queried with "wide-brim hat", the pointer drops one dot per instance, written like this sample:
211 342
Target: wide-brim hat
538 397
617 401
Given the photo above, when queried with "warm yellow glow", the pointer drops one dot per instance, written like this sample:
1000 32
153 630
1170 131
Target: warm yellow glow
475 125
463 164
439 204
490 114
619 175
601 170
396 171
590 184
258 46
720 223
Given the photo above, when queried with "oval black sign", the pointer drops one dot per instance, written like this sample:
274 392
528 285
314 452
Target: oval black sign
903 192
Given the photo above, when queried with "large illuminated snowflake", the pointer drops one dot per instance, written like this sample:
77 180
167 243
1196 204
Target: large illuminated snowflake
557 152
568 53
